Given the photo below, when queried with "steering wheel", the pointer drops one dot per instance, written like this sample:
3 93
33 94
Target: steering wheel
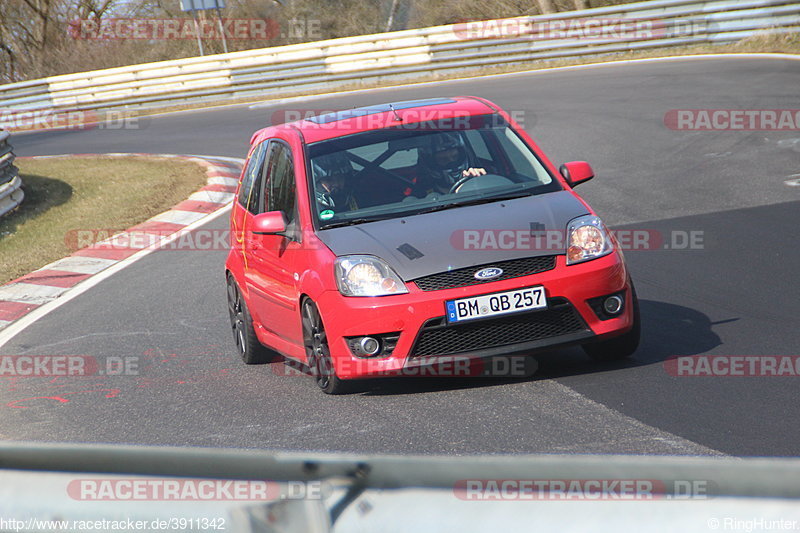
457 185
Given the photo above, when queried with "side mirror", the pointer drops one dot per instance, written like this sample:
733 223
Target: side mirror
576 172
270 223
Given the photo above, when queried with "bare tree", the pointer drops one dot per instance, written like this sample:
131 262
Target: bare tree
392 14
35 37
34 34
546 6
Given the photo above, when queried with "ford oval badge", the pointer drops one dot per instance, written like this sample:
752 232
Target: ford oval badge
488 273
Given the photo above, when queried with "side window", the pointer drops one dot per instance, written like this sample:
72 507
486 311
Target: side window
275 187
281 196
253 171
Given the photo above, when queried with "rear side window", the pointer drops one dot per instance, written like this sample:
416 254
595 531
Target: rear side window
247 198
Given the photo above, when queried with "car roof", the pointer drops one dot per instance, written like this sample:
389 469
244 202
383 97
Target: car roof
346 122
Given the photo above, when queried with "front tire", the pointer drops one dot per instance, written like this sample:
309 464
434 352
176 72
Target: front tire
620 347
318 352
248 346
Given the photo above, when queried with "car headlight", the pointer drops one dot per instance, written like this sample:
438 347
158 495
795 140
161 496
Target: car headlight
588 239
367 275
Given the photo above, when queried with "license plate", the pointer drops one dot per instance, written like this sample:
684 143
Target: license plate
498 303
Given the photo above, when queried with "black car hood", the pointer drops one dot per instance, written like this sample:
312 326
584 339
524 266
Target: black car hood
429 243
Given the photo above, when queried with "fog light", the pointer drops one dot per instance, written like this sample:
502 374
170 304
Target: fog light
369 345
375 345
612 305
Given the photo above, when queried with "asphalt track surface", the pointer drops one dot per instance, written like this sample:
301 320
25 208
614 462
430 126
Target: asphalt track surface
738 295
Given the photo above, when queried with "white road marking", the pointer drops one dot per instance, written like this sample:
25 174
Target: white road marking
219 180
30 293
216 197
633 430
124 241
19 325
49 297
789 143
81 265
235 160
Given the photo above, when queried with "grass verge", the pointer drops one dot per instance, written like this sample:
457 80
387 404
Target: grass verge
66 194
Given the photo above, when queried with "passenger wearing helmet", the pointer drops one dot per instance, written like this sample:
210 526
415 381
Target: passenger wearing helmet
444 161
333 182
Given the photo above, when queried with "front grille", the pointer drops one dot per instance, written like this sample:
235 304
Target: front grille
466 276
438 338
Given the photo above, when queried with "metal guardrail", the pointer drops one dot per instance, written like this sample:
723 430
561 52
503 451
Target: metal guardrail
11 194
388 57
757 477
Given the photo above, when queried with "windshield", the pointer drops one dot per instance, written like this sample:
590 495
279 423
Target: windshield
418 168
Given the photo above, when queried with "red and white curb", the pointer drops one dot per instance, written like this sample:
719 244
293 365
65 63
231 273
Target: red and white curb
34 290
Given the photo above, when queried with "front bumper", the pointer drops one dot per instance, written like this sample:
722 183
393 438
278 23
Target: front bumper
425 337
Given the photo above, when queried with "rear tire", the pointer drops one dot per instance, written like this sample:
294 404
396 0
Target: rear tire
248 346
318 352
620 347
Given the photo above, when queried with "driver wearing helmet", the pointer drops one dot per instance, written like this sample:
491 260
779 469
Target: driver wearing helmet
445 160
333 182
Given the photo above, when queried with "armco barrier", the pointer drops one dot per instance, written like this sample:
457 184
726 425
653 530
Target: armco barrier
11 194
388 57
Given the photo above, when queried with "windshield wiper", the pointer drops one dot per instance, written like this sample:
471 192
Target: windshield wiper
351 222
476 201
441 207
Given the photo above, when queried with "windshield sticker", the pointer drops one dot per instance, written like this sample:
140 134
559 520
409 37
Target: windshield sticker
326 215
